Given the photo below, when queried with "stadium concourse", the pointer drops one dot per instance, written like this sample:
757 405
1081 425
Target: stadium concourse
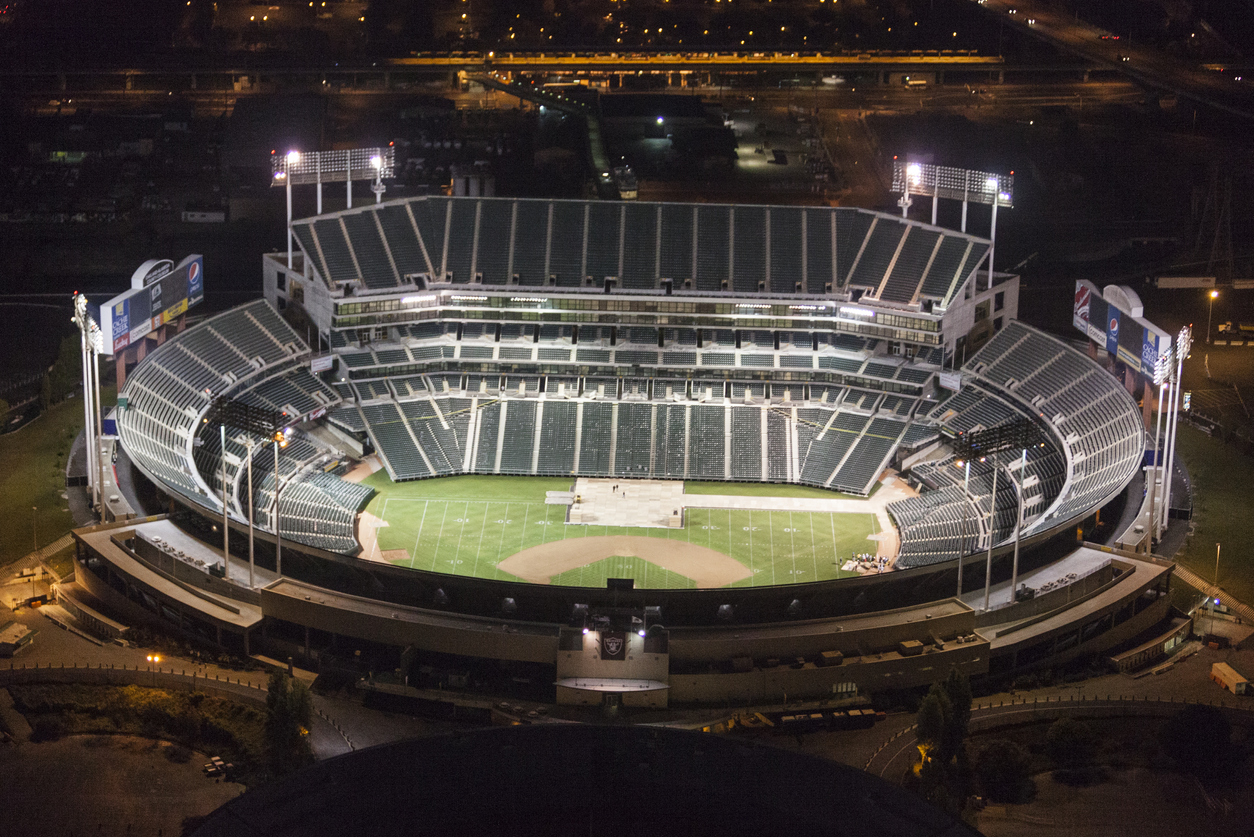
536 345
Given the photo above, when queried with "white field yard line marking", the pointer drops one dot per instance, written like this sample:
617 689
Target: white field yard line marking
500 543
835 552
522 536
479 546
814 550
418 538
792 547
461 530
439 538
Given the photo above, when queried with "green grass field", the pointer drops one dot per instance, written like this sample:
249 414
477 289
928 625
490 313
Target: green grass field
32 480
466 525
1222 498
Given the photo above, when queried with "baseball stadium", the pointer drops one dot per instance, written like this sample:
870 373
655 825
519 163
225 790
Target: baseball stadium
649 453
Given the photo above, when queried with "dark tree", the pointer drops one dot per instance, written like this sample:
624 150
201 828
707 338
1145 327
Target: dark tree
1071 744
1003 770
289 714
1199 739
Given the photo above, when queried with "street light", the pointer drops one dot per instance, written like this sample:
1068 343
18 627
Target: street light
1209 312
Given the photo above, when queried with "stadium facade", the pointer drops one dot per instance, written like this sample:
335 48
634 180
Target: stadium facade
674 341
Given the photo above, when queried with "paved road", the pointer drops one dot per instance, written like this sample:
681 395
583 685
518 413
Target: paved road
1138 61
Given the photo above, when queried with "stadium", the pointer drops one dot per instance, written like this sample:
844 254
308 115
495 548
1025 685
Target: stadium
642 452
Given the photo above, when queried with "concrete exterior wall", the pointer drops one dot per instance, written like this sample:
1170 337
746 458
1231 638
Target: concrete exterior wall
462 635
890 671
718 644
959 318
317 299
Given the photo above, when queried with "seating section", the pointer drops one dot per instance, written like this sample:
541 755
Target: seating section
1091 443
372 256
495 391
750 248
910 266
877 254
248 354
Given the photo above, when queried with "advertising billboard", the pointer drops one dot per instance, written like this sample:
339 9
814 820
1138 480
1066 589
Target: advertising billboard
160 292
1133 340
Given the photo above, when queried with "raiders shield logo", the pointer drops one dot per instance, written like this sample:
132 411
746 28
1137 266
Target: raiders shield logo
613 645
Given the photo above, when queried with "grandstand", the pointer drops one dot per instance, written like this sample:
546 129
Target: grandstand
445 365
251 355
820 347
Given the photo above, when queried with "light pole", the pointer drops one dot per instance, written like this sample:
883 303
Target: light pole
992 232
1155 470
251 559
226 523
1014 567
376 163
280 441
966 516
256 422
992 537
1209 313
293 157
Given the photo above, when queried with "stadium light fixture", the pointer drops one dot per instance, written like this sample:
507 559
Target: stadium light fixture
313 167
951 183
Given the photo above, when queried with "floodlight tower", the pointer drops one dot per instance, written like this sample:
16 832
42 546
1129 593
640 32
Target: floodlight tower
1184 343
293 158
1019 435
91 346
1162 375
992 232
954 184
256 421
378 187
912 179
966 496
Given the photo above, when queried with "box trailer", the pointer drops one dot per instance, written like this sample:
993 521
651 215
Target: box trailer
1228 677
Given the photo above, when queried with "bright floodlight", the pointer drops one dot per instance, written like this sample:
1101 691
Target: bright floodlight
659 120
1214 294
967 185
328 166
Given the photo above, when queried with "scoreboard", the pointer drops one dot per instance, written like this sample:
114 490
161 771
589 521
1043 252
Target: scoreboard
160 291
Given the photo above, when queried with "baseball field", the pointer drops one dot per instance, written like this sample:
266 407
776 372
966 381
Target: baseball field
500 527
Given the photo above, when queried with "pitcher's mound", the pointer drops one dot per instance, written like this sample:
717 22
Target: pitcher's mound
705 566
